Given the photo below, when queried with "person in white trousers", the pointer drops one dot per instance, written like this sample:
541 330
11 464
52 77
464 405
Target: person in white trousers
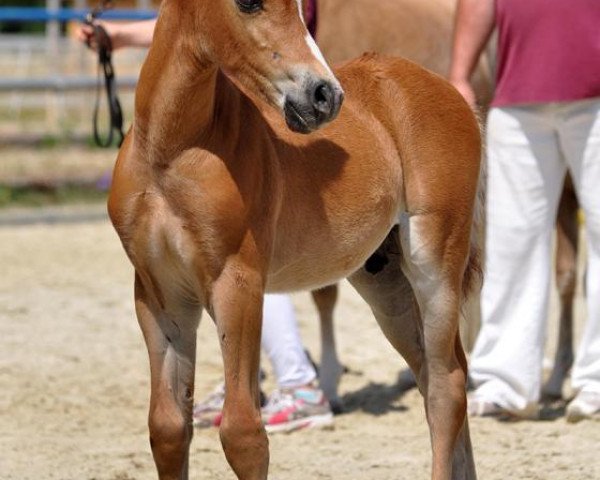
297 402
544 120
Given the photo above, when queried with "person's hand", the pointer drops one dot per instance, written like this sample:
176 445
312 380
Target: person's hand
85 34
131 34
465 88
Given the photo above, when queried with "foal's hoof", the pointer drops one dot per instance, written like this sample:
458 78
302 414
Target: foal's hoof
337 406
406 380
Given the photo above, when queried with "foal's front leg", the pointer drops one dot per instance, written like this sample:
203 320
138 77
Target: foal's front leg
170 332
237 300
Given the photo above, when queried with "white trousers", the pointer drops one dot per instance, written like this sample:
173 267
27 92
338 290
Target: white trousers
282 344
530 149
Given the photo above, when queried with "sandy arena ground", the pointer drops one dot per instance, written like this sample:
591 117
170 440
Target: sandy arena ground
74 382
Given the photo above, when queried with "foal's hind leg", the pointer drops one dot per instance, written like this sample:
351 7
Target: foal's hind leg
330 369
436 246
385 287
170 334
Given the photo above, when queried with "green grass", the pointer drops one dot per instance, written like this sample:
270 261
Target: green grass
65 139
42 195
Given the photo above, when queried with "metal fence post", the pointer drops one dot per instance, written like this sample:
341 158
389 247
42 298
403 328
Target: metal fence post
82 103
53 114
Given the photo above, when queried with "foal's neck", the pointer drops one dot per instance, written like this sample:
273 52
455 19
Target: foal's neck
176 96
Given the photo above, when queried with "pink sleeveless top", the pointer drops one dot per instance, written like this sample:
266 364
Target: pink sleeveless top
548 51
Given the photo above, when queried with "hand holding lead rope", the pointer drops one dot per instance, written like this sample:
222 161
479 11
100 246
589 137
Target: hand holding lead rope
103 45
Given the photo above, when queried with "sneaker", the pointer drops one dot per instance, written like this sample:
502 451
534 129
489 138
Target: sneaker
479 406
208 413
288 410
585 405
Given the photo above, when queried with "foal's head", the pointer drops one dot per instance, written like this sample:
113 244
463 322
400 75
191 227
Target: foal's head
264 47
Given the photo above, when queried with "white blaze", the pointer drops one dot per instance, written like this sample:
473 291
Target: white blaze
310 41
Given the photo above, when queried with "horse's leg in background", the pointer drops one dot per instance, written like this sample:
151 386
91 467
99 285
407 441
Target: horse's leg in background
567 236
170 335
385 287
330 369
237 300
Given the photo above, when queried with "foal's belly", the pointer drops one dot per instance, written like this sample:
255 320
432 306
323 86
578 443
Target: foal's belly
326 260
317 245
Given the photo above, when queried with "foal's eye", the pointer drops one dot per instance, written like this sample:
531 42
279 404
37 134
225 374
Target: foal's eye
249 6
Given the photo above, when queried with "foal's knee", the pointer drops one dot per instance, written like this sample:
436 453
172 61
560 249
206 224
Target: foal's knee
245 445
170 436
446 398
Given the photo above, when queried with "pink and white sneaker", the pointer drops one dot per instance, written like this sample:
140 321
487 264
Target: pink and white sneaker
208 412
288 410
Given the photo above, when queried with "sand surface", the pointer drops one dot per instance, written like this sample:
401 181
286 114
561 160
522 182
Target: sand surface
74 382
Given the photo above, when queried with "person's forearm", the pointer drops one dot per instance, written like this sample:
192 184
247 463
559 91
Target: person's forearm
475 20
136 34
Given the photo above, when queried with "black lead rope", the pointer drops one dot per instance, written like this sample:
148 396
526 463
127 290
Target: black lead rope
104 46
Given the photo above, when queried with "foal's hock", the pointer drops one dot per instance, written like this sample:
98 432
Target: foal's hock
218 196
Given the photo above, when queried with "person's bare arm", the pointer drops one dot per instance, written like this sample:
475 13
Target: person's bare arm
122 35
474 23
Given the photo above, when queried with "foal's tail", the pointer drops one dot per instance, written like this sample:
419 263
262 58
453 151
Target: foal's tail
473 277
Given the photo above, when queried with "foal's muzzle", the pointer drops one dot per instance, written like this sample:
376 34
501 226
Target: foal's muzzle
317 104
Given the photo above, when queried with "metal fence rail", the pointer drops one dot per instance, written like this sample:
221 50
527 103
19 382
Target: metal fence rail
44 79
59 84
33 14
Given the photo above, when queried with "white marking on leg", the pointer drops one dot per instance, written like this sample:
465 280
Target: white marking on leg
431 291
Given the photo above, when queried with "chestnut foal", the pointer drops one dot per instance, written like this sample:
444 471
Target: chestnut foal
218 199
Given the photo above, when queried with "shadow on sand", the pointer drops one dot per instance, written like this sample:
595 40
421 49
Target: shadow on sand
379 398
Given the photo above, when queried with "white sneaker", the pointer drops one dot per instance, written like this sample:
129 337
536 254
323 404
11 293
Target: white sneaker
479 406
208 412
584 405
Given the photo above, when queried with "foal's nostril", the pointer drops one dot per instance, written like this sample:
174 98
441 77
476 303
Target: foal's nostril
315 105
323 97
